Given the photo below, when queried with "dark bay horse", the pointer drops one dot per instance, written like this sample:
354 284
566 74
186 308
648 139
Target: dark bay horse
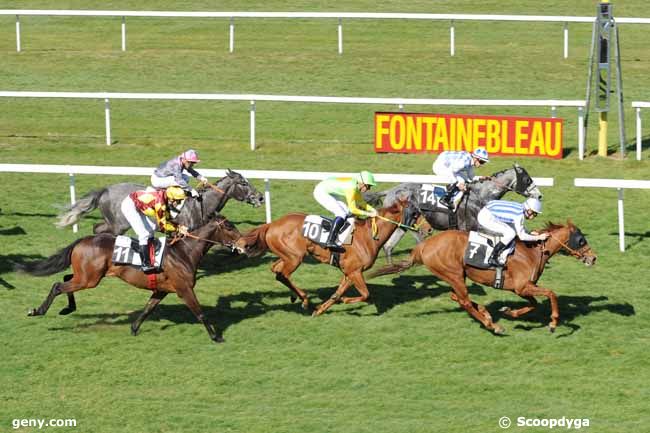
479 193
284 238
443 254
194 213
91 260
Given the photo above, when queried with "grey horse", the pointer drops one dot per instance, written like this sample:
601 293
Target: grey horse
195 212
479 193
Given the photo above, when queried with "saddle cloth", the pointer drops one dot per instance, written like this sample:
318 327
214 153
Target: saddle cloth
317 228
429 196
127 251
479 249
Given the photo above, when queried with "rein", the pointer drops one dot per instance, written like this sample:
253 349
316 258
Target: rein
571 251
216 188
400 225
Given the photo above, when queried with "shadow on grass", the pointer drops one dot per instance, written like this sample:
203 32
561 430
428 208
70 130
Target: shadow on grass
13 231
636 237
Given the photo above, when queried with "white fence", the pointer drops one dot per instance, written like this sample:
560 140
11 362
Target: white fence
72 170
620 185
639 135
315 15
399 102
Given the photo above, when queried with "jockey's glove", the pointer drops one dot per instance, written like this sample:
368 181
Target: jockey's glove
203 179
194 193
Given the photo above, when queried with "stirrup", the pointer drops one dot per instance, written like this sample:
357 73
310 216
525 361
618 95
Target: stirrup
335 248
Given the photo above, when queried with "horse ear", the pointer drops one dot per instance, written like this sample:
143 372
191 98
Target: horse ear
229 172
515 165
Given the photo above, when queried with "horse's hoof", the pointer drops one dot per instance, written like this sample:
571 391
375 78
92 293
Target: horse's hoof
551 328
33 312
504 309
499 330
67 310
218 339
134 331
292 299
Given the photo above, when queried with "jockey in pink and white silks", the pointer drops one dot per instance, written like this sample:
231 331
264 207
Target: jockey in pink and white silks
171 172
507 218
458 169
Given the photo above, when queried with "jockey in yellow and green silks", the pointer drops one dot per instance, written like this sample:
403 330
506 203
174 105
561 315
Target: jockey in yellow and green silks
342 196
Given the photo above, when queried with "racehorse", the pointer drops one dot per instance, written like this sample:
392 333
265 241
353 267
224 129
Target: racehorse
479 193
284 238
91 260
443 255
195 211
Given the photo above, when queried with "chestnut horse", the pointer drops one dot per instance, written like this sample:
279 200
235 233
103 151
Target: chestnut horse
91 260
284 238
443 256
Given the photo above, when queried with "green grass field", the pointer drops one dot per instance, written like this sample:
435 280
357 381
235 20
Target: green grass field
410 361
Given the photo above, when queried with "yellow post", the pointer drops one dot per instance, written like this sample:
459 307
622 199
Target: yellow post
602 134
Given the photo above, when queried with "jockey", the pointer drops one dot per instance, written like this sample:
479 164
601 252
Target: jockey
507 218
170 173
342 196
147 210
458 168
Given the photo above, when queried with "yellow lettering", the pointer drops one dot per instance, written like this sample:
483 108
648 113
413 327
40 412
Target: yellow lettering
537 139
478 132
555 146
414 132
441 141
521 136
492 136
463 141
397 144
380 130
428 124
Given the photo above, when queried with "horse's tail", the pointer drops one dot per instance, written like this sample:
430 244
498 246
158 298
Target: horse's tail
53 264
414 259
253 243
87 203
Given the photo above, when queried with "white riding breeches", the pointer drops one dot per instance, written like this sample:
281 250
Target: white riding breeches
141 224
489 221
329 202
166 182
440 169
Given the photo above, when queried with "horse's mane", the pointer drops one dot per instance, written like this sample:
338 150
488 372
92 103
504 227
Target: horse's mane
551 226
393 208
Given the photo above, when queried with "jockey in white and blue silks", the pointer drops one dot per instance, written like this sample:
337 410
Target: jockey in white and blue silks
507 218
457 168
171 172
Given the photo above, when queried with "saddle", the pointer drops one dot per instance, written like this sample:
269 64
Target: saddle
127 252
316 228
479 249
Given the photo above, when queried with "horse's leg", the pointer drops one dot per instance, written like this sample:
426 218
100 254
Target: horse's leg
336 296
189 297
479 307
520 311
532 290
42 309
72 304
283 268
391 243
151 305
476 311
360 285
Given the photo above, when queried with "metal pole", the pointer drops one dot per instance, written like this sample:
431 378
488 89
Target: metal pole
638 134
232 35
107 115
621 222
590 75
581 134
123 33
553 112
252 125
619 91
340 36
73 199
452 39
566 40
267 199
17 33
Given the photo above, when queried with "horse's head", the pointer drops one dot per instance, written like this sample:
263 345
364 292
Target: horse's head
224 231
518 180
573 241
404 209
239 188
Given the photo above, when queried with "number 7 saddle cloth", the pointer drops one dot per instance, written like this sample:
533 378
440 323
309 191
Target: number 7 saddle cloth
479 249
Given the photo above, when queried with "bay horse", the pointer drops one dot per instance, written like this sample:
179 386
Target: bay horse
443 255
284 238
91 260
479 193
194 213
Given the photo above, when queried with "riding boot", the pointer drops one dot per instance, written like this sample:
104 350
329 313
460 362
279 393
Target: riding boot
496 252
448 197
334 232
145 257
